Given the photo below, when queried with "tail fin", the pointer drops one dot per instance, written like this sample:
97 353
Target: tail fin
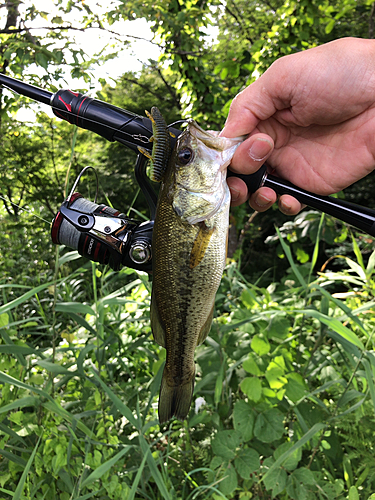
175 401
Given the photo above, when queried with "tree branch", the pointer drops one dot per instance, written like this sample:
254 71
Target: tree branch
7 31
170 89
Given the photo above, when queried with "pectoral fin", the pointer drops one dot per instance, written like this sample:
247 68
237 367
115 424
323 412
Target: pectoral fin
200 245
156 326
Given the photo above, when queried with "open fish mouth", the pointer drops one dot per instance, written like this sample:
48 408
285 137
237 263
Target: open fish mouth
223 147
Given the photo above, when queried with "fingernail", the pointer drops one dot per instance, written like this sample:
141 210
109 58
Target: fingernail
260 149
262 201
285 207
234 194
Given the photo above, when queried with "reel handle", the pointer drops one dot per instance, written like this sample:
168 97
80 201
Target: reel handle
362 218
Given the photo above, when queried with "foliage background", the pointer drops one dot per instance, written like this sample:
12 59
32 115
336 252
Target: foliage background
285 396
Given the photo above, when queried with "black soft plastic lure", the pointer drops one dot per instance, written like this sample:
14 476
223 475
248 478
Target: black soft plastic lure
161 148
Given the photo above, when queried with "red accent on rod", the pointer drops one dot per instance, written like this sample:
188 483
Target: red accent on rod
83 100
68 106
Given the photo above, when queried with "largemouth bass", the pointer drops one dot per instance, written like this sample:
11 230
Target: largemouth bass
189 254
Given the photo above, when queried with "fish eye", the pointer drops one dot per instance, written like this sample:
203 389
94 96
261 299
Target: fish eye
185 156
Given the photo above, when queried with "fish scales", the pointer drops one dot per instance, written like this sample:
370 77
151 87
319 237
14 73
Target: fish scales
189 253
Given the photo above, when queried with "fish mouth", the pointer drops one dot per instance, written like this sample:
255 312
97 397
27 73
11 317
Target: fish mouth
223 145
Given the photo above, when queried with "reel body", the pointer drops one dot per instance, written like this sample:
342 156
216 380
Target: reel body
103 234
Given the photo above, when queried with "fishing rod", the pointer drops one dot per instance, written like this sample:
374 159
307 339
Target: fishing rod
105 235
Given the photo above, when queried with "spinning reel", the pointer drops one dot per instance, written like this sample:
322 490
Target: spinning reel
101 233
105 235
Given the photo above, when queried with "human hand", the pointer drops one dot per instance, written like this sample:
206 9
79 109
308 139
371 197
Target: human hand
311 115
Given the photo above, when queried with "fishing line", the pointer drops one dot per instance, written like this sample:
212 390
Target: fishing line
68 234
25 210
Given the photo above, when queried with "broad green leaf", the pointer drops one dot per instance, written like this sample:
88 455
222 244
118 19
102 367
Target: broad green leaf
243 419
296 387
278 327
4 320
304 476
301 442
275 373
41 59
247 462
353 493
251 366
225 443
260 345
230 481
293 459
252 387
275 479
296 489
269 426
59 460
301 255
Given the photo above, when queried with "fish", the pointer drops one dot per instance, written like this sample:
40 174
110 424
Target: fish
161 148
189 255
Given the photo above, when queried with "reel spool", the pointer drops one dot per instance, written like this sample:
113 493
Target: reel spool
101 233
